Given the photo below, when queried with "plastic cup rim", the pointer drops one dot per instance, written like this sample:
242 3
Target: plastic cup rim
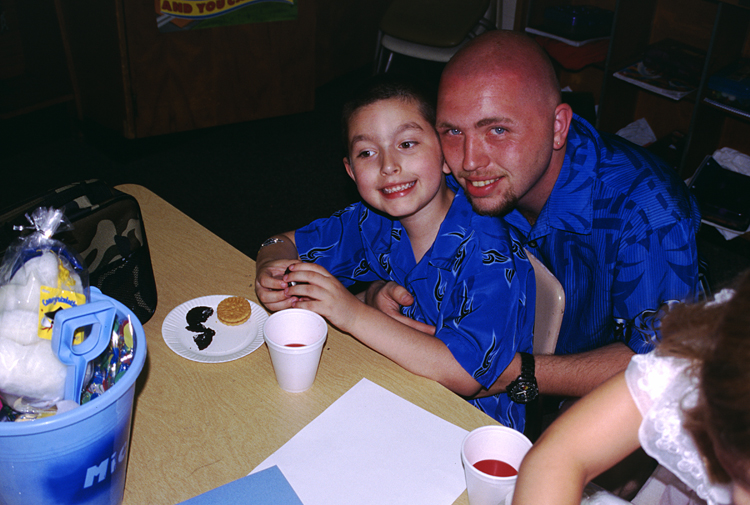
304 348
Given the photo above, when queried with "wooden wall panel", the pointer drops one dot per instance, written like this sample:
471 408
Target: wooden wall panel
199 78
133 78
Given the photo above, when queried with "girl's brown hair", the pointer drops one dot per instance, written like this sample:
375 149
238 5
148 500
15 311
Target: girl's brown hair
716 337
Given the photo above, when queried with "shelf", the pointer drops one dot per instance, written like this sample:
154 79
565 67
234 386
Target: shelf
565 40
738 113
638 75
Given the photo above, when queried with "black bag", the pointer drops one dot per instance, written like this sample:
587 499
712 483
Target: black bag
107 233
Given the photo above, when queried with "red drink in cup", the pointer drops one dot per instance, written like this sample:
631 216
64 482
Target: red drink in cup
496 468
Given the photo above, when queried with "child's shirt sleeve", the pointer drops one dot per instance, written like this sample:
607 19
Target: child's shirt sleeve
488 314
336 244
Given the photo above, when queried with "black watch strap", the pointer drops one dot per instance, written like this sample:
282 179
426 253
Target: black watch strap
527 365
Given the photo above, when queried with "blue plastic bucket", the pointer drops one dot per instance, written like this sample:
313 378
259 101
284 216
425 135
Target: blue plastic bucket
80 456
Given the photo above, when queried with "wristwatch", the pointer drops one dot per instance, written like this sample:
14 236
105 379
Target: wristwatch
270 241
524 389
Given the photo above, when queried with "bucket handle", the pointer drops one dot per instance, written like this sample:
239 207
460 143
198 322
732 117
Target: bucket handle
77 357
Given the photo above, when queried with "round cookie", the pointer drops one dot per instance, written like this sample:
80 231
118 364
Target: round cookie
233 311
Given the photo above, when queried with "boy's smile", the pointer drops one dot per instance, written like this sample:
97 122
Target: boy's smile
397 190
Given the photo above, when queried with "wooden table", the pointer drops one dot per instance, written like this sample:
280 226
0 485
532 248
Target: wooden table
197 426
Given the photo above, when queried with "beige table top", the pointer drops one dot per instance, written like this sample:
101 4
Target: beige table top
197 426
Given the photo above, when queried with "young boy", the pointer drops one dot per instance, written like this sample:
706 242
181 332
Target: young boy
468 274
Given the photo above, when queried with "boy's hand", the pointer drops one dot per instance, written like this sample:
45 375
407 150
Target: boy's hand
270 286
388 297
317 290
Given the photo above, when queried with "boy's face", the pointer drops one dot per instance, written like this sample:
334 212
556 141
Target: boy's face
395 158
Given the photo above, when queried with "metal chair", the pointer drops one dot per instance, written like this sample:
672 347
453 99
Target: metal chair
431 29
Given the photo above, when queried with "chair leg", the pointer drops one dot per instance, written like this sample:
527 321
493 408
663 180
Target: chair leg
388 63
378 53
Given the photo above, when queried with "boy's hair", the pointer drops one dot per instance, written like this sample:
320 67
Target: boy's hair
385 87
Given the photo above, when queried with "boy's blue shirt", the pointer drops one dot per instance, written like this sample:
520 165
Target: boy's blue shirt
475 284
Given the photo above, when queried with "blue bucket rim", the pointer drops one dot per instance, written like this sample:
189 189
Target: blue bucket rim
113 394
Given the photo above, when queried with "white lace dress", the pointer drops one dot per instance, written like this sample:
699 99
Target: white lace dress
661 388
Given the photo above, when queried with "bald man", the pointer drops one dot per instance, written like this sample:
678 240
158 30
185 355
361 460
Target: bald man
613 223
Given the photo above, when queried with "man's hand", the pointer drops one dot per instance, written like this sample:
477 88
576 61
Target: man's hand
388 297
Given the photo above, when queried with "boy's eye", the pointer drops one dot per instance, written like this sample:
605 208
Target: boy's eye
407 144
364 154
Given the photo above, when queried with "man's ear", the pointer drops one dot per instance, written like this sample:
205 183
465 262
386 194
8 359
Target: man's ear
348 166
446 168
563 117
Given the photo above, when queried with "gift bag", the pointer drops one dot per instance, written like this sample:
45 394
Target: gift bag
108 234
39 276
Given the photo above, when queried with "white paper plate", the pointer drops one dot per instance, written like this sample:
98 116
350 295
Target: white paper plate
229 343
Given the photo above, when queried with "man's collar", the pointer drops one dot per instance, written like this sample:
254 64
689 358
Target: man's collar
569 206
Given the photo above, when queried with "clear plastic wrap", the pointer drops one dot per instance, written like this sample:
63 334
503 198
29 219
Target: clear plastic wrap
39 275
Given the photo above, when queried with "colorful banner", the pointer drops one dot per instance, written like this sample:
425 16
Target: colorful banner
177 15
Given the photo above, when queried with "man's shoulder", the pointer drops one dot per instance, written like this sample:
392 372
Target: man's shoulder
633 179
619 163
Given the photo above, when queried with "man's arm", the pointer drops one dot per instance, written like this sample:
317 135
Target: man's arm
663 270
568 375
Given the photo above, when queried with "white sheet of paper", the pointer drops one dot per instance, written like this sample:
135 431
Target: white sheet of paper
373 447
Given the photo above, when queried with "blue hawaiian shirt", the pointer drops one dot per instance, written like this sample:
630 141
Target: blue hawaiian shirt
618 232
472 285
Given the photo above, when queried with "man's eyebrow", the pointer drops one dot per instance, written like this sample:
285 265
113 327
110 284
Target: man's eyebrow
494 120
480 124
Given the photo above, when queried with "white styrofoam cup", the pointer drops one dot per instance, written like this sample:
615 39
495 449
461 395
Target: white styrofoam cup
497 443
295 367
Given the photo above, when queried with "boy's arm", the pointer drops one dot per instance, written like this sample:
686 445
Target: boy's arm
598 431
415 351
273 260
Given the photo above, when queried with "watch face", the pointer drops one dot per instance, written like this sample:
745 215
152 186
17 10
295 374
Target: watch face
523 391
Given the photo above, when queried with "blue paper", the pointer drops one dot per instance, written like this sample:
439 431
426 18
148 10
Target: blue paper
268 487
